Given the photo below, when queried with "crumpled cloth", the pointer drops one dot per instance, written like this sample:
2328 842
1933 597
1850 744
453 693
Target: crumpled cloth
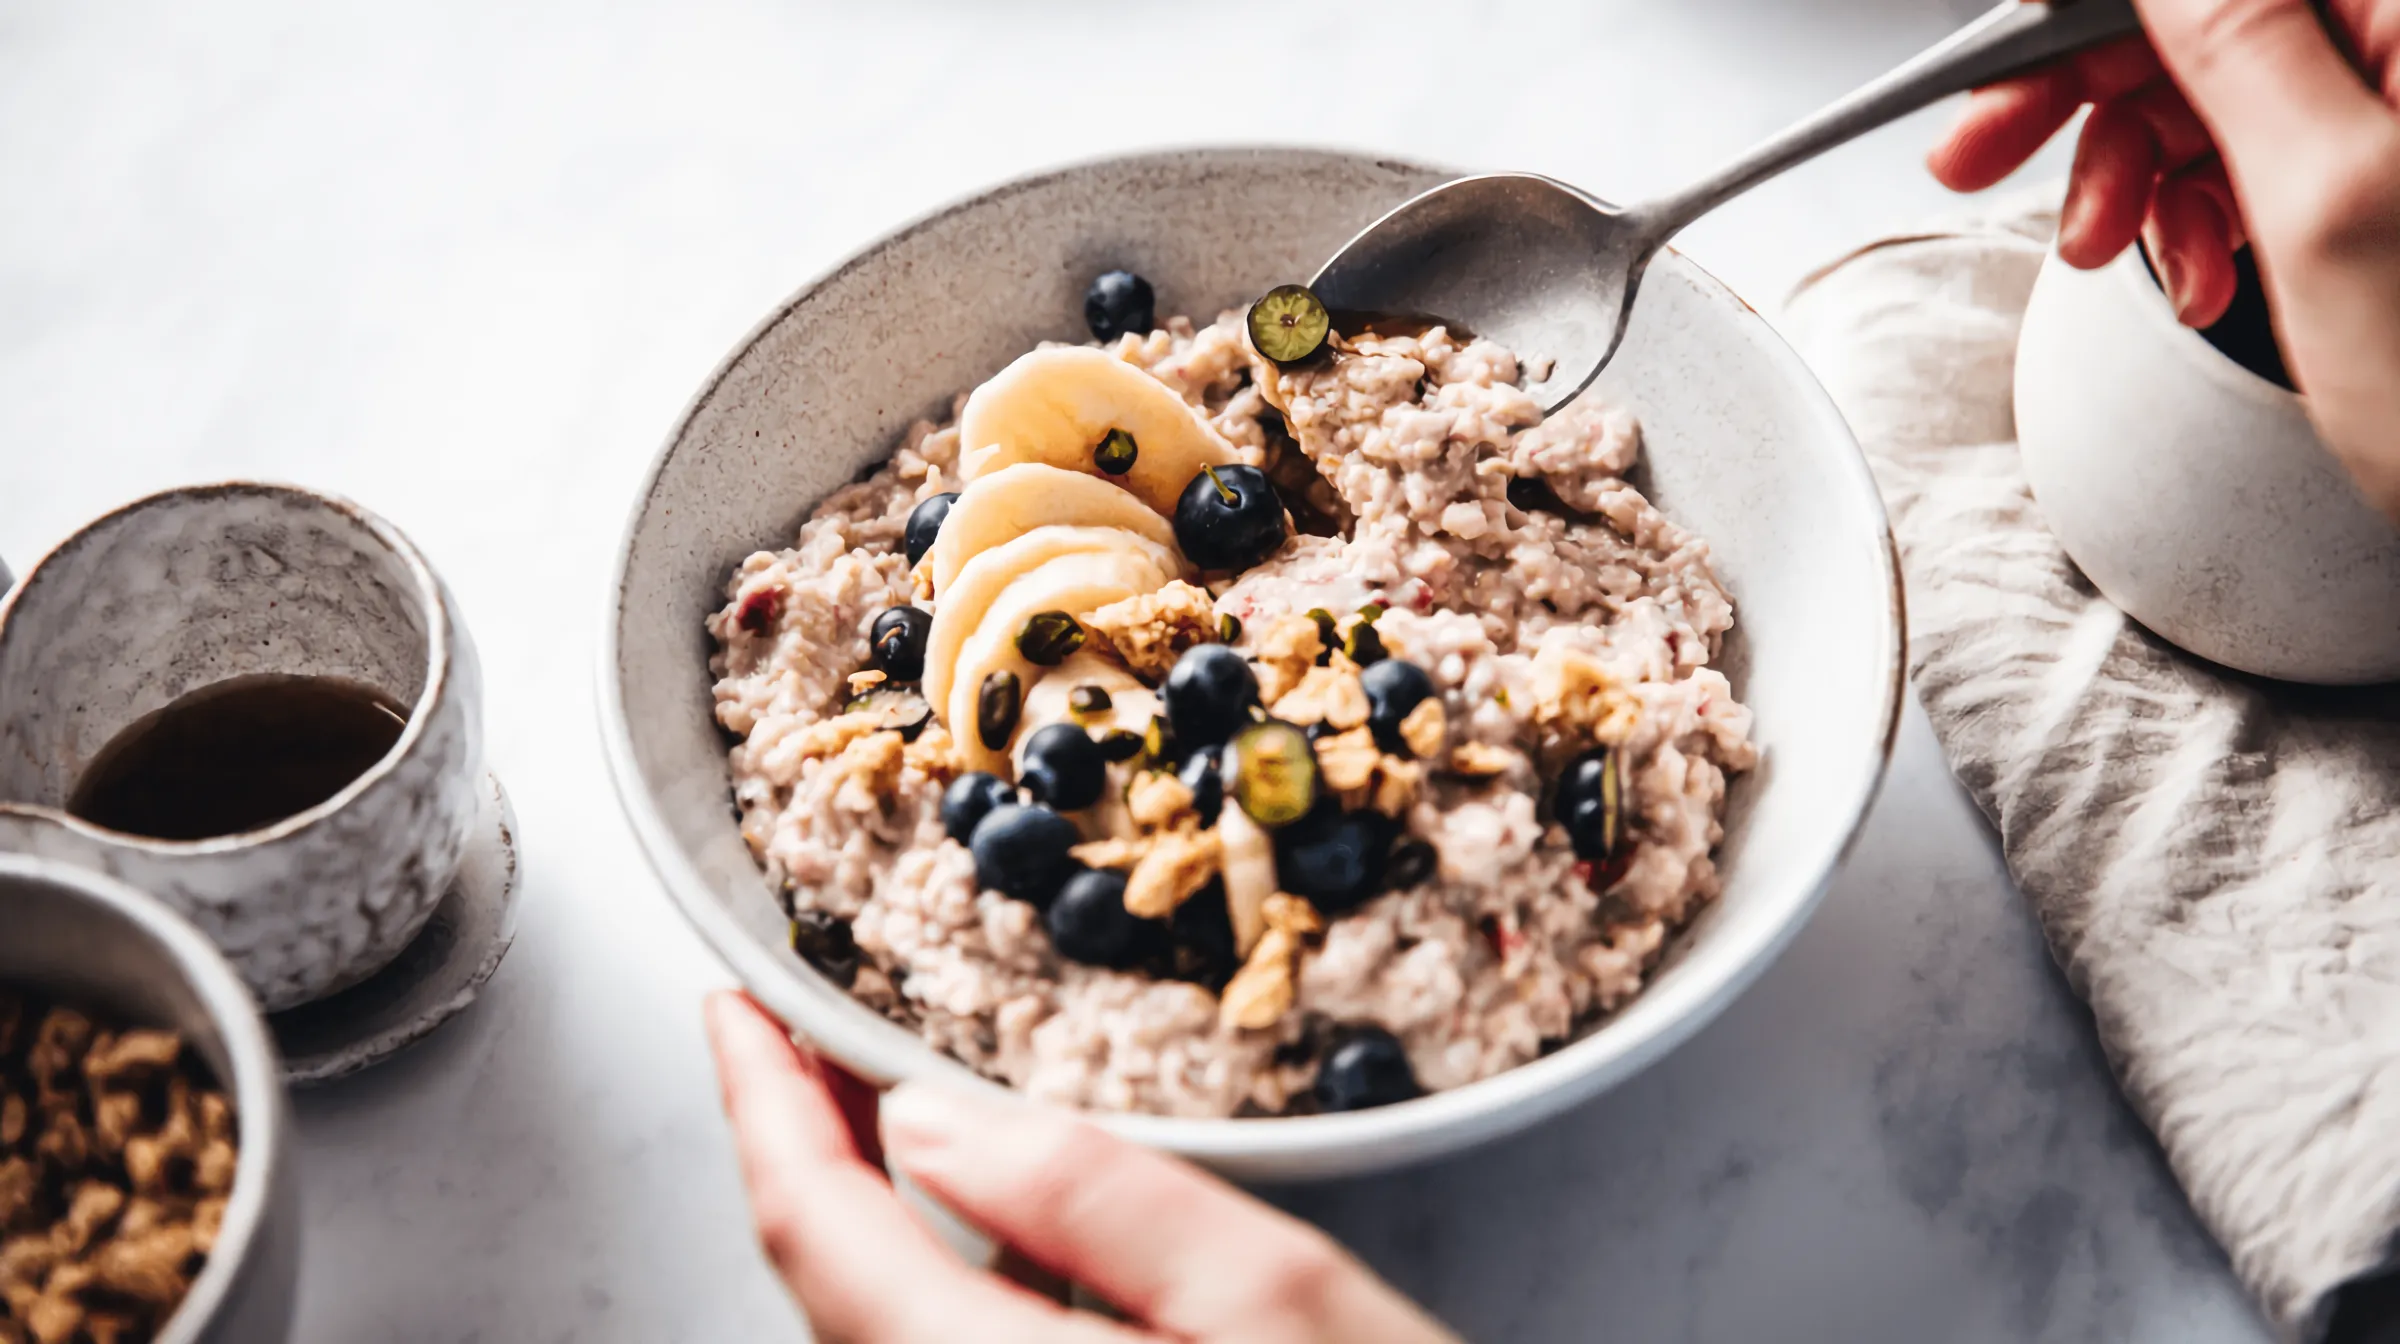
2214 859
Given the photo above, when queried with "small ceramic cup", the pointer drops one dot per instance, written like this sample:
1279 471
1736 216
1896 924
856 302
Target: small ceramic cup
2194 493
197 586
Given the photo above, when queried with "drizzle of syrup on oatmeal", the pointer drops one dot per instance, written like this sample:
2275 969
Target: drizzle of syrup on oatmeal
237 756
1357 324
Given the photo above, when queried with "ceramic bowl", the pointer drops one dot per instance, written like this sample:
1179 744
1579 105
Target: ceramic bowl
1743 446
93 942
2193 493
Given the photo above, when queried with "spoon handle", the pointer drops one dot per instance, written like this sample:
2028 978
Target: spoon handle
2011 39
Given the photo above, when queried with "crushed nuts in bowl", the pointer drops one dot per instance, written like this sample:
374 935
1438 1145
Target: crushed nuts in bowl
117 1154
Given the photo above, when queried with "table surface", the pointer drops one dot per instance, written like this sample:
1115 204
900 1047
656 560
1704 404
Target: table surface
465 262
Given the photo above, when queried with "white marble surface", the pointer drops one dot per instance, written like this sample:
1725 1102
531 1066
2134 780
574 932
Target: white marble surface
465 262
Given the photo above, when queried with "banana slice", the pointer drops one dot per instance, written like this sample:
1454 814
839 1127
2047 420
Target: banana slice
1131 705
1076 583
1249 873
1009 502
970 593
1055 405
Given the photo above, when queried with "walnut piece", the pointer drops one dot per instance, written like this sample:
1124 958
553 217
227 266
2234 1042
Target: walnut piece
1287 648
1150 631
1573 692
934 753
868 771
1157 800
1115 853
1482 760
1396 785
828 737
1346 761
1424 728
1362 774
1261 992
1331 695
1178 865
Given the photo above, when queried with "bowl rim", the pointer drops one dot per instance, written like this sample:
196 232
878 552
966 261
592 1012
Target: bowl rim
1287 1145
256 1085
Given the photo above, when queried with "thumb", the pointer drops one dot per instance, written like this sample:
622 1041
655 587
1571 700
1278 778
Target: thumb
2267 78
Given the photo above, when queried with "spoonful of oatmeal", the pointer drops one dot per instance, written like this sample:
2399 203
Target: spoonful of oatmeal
1551 272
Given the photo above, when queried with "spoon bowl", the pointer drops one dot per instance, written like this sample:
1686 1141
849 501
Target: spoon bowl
1552 271
1525 260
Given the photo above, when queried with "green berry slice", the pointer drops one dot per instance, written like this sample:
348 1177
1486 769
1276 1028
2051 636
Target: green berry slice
1116 453
1288 324
1274 771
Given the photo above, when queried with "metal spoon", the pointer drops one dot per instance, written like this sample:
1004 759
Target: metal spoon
1551 271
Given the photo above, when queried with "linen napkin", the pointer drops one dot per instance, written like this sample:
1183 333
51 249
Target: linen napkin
2214 859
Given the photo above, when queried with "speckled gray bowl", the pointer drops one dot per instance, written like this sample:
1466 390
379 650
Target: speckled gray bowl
1743 446
195 586
96 944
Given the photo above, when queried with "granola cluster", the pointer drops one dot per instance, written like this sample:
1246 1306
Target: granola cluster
1150 631
117 1156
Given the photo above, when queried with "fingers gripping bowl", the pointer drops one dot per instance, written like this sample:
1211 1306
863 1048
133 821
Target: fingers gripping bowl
1740 447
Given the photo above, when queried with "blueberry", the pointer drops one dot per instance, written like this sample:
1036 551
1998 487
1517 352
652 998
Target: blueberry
1088 922
824 942
896 642
1367 1068
1208 695
1063 767
1393 689
1204 775
1229 518
1334 858
1532 494
1590 803
924 524
1204 951
1021 852
969 799
1117 303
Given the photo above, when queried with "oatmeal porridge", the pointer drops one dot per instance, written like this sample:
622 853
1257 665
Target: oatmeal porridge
1184 730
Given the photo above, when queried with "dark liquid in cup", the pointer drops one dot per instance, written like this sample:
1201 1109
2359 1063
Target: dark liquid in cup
2246 334
237 756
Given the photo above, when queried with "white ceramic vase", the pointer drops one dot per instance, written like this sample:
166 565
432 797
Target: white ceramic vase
2194 493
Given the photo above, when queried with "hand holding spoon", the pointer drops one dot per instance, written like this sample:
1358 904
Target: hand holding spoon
1551 272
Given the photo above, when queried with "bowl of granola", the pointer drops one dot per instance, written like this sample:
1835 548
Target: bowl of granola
1053 651
145 1190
